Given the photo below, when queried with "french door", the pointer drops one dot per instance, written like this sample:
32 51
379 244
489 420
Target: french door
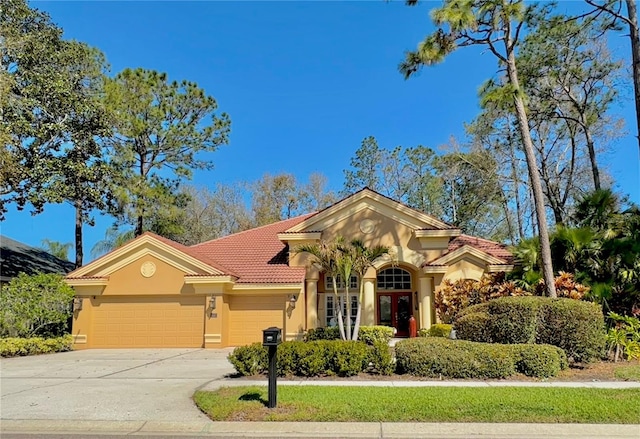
394 309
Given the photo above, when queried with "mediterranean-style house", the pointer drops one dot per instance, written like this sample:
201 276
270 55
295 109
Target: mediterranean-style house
153 292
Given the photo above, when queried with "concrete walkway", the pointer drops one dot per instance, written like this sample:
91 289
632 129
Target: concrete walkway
213 385
33 428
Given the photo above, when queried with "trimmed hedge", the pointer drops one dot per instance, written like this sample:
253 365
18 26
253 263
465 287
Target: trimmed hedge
366 334
13 347
381 358
440 357
314 358
575 326
437 330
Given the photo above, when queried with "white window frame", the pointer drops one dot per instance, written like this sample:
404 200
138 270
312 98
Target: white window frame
381 287
353 284
328 305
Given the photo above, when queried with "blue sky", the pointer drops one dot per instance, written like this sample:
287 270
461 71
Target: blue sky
303 83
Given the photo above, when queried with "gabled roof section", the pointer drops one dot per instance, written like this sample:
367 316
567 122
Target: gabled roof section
490 247
369 199
144 244
257 256
493 253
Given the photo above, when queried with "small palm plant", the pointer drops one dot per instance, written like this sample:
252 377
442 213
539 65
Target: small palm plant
624 338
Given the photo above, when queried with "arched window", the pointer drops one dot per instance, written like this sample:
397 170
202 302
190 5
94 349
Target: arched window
394 279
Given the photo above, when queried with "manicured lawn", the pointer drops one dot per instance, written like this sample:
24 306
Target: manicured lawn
424 404
628 373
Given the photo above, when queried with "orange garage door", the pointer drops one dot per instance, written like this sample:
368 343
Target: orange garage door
249 315
148 322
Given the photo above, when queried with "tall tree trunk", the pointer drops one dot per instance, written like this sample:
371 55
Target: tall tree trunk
592 151
139 225
348 316
634 34
79 255
356 327
536 185
516 181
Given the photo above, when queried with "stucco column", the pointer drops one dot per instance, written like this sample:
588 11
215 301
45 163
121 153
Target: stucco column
368 303
426 302
312 303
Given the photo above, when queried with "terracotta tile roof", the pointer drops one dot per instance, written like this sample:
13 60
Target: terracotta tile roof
491 247
194 254
256 255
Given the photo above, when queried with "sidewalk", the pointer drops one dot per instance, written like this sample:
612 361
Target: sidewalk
321 429
445 383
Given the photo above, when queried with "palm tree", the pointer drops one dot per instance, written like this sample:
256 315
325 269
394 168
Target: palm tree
363 259
113 238
325 256
57 249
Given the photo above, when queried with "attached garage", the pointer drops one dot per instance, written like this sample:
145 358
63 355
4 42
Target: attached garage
249 315
148 321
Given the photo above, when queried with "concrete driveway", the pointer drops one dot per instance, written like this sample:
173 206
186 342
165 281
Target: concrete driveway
110 385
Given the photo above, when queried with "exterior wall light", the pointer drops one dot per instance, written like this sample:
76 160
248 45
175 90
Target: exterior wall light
292 300
77 303
212 302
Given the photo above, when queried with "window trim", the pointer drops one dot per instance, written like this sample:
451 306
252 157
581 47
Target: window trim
329 296
354 284
403 281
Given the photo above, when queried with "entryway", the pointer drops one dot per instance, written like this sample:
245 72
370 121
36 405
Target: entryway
395 309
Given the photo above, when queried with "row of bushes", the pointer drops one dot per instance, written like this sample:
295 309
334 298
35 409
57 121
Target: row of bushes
367 334
315 358
13 347
575 326
454 296
439 357
437 330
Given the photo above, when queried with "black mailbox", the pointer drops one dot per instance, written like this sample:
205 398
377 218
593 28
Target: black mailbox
271 336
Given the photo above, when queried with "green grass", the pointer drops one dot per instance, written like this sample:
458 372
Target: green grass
424 404
628 373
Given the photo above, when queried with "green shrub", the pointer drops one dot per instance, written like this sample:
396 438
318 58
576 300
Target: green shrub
440 330
373 334
514 319
287 358
314 358
474 326
366 334
575 326
249 360
348 358
13 347
540 361
330 333
381 358
38 305
436 356
437 330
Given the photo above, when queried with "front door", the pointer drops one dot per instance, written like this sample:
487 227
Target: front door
394 309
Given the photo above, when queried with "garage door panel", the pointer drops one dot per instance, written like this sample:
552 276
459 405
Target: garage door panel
160 321
249 315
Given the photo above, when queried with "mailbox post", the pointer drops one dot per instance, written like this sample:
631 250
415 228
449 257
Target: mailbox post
271 338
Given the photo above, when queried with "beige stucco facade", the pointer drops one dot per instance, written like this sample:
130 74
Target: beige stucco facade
152 293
